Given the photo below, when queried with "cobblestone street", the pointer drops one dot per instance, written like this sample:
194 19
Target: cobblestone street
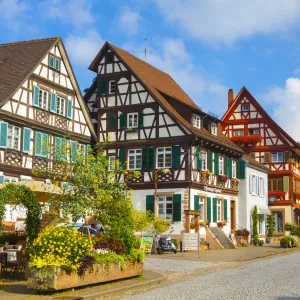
275 278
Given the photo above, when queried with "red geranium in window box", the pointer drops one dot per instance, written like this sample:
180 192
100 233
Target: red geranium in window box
247 139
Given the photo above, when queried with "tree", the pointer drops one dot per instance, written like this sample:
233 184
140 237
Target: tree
159 225
255 226
142 220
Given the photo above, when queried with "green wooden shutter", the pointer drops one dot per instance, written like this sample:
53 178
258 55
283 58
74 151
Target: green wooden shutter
123 119
151 158
38 143
2 179
109 57
208 209
267 157
57 64
209 161
241 169
69 109
102 86
3 134
176 155
35 96
53 102
122 156
150 203
73 151
89 150
286 183
44 145
112 121
196 202
141 119
214 209
145 158
216 161
51 61
225 210
26 139
198 159
57 148
229 167
176 207
286 155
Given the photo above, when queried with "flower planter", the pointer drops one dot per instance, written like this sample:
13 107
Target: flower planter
269 239
284 244
53 278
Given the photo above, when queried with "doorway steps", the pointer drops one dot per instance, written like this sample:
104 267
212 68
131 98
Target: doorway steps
222 238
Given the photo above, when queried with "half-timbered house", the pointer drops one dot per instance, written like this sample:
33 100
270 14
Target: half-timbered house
184 160
40 104
249 125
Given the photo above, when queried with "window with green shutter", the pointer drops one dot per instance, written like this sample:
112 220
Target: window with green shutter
122 156
145 158
112 121
216 164
209 161
196 202
267 157
208 209
151 157
286 184
229 167
57 64
123 120
89 150
69 109
45 141
35 96
141 119
38 144
150 203
3 134
225 210
198 158
176 207
73 151
102 87
214 209
176 154
2 179
51 61
60 149
241 169
53 103
26 139
286 155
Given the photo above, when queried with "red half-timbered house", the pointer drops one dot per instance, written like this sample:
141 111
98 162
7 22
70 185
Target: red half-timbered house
154 127
249 125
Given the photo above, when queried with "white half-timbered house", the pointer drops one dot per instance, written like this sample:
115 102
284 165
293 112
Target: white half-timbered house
40 104
249 125
153 126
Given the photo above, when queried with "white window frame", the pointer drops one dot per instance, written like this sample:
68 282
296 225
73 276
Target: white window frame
111 162
221 165
43 99
201 208
12 136
233 168
254 184
253 130
132 120
196 121
261 186
203 157
163 201
166 151
277 157
10 179
214 128
61 106
136 154
111 89
219 210
245 105
239 132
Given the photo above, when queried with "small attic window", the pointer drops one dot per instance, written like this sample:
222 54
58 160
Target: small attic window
196 120
245 107
213 128
109 58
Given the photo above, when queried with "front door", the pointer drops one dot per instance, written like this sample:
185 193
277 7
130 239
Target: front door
232 215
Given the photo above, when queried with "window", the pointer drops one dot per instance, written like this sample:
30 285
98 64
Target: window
135 159
201 208
132 120
278 221
61 106
276 184
196 121
221 165
81 148
245 107
253 131
10 179
261 186
253 186
164 157
277 157
234 169
112 87
213 128
203 157
219 203
238 132
57 64
13 137
43 99
111 163
165 207
261 224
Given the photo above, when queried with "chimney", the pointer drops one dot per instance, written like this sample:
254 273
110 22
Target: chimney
230 97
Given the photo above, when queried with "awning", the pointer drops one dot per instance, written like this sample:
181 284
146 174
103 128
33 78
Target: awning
263 210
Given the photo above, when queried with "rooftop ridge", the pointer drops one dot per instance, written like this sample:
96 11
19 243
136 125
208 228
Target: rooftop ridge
29 41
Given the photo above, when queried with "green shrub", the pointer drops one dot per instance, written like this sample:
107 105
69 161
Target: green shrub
260 242
174 241
293 240
255 225
271 225
292 228
137 255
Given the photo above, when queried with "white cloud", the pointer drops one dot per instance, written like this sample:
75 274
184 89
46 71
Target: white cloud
175 60
286 106
74 12
225 21
83 49
128 21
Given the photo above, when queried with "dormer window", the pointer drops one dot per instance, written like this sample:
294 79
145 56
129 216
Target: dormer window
245 107
213 128
196 120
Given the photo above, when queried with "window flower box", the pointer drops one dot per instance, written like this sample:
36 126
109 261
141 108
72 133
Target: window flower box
252 139
234 183
222 179
276 194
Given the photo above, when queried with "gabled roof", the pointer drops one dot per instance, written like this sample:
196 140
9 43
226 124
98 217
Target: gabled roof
160 83
17 60
255 163
244 91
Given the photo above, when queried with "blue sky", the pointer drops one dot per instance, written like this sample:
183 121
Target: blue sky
206 46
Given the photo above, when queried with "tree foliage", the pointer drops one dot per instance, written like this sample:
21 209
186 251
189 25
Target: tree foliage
255 225
142 220
160 225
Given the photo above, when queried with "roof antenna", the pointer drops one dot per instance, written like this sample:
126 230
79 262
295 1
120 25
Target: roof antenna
146 51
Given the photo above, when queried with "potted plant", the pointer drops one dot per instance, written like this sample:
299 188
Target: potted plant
292 228
221 224
285 242
270 235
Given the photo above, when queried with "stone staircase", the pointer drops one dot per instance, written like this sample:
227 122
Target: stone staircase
222 238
